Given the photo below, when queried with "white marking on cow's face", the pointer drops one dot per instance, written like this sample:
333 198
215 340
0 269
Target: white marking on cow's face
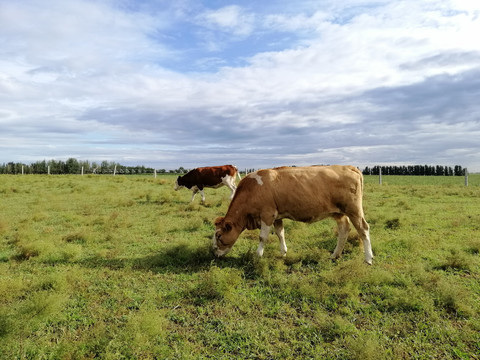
216 249
224 237
257 177
220 253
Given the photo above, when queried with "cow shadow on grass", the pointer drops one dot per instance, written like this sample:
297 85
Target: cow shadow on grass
176 258
185 257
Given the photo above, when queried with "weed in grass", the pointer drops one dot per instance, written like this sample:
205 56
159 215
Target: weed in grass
474 247
456 261
27 250
3 226
454 299
76 237
392 224
5 324
217 284
145 334
333 328
366 345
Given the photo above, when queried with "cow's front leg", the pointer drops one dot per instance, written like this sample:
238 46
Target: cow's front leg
280 231
194 192
264 231
203 195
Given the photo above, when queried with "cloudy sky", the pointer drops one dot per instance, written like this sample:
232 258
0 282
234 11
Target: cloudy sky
254 83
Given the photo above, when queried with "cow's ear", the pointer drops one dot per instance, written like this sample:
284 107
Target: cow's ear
218 221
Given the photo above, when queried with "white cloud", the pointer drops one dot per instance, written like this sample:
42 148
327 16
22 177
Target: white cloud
300 22
232 19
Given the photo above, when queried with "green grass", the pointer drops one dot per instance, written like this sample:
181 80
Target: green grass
120 268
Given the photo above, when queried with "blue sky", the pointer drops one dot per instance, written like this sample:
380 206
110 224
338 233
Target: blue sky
252 83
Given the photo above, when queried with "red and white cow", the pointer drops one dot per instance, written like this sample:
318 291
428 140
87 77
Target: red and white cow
210 176
308 194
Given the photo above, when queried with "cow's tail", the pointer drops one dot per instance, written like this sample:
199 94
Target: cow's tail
361 180
359 172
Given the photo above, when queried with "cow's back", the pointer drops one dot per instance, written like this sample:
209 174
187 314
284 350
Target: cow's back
212 176
304 193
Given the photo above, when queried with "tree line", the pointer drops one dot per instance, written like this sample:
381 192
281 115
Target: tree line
420 170
74 166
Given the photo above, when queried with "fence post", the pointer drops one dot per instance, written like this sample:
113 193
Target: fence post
22 169
48 169
114 170
82 170
466 177
380 175
155 173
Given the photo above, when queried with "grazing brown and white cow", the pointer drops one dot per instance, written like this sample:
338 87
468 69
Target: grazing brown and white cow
308 194
210 176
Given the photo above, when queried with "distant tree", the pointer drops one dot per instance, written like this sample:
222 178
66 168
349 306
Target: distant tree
72 166
458 171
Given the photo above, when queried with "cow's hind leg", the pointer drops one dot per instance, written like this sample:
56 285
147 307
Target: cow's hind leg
363 230
229 181
343 229
280 231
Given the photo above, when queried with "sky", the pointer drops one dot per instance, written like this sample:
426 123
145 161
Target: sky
252 83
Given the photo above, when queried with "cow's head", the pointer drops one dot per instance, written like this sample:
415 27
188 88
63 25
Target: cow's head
226 234
177 185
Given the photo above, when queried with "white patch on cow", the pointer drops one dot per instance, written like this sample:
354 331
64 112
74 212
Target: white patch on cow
229 181
264 231
220 253
256 177
280 231
368 248
214 242
260 249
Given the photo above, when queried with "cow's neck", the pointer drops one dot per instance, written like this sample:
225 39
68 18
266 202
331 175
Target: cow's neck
237 215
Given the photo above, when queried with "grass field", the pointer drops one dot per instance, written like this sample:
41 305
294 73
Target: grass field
120 268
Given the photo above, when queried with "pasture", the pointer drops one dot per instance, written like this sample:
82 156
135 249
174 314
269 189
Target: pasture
120 268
